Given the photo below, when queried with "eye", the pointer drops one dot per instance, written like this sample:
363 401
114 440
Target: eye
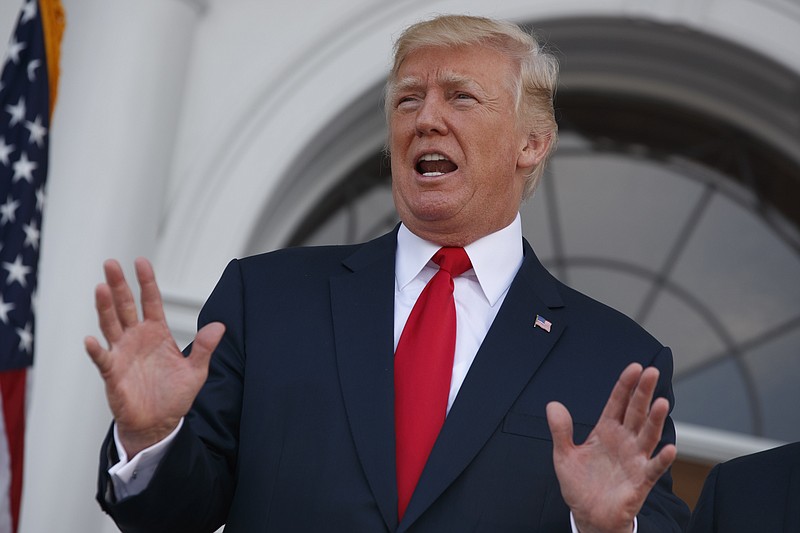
406 102
463 98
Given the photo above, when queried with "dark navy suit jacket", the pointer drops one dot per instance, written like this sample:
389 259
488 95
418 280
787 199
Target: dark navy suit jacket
294 431
753 493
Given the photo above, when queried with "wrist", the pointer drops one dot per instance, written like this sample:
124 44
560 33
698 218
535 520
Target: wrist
587 525
134 442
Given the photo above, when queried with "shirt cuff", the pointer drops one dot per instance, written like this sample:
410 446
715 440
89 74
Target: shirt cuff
130 477
575 528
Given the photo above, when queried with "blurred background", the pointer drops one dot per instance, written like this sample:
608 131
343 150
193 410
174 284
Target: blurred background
194 131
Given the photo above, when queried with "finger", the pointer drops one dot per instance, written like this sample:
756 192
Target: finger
107 314
639 404
650 436
98 354
121 294
205 342
660 463
621 393
152 304
560 422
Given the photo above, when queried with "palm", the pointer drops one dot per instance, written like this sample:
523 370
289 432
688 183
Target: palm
150 385
606 480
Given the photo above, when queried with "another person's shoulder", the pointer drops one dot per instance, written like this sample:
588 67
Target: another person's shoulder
773 459
755 492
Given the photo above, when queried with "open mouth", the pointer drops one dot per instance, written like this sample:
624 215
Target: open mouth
434 165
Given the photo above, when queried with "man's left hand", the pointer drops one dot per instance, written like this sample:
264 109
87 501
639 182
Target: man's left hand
606 480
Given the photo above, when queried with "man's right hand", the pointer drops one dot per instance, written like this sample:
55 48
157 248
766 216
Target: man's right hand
150 385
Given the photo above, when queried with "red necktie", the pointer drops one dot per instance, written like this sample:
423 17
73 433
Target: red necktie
423 365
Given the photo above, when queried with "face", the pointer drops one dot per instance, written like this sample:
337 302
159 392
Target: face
459 158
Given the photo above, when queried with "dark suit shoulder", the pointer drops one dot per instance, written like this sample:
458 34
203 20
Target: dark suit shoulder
310 258
605 324
324 260
756 492
585 315
756 465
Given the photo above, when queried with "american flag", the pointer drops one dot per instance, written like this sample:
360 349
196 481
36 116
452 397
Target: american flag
542 322
25 104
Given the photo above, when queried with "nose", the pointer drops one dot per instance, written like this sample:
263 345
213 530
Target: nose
430 119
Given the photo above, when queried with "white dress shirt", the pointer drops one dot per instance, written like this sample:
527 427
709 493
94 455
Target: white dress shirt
479 292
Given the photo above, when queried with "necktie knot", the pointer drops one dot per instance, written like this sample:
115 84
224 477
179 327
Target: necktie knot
455 261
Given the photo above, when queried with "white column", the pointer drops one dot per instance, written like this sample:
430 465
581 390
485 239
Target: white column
123 69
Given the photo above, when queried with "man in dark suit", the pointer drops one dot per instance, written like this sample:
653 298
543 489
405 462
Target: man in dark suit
756 492
310 417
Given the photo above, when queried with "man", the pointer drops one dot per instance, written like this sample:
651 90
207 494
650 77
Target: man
312 419
756 492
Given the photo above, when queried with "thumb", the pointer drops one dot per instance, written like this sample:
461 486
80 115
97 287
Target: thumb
560 422
205 342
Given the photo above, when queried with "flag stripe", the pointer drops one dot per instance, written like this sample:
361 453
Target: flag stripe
13 387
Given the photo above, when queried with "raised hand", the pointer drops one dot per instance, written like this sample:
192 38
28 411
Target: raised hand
150 385
606 480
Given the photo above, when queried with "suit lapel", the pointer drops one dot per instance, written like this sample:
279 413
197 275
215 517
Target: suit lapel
509 356
363 310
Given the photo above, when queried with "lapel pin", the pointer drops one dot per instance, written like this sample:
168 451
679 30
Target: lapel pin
542 322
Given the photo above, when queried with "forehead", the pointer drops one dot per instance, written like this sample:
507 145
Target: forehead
460 65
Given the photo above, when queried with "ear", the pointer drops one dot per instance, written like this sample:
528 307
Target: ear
534 150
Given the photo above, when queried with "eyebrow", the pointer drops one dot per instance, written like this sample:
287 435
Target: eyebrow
447 79
452 79
406 83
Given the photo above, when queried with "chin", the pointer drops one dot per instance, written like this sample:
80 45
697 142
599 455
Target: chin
433 212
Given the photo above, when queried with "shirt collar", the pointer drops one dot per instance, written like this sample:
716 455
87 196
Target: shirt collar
495 258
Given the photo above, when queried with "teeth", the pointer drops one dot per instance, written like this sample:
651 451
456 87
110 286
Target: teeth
433 174
433 157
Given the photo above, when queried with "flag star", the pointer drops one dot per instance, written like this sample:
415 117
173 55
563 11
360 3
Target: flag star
40 197
17 271
17 112
24 168
26 337
5 151
31 235
37 131
28 11
32 66
5 308
14 48
8 211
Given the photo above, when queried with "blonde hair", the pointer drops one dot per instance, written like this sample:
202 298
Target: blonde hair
534 87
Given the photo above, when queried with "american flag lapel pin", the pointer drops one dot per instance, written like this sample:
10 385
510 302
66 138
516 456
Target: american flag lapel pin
542 322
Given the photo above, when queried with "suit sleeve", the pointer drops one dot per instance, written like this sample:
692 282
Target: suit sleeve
193 485
663 510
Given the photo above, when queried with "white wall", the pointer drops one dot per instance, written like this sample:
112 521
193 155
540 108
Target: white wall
174 125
